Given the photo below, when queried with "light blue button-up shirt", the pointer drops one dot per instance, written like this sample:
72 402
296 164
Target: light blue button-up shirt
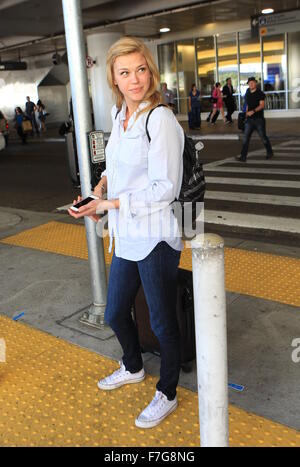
146 178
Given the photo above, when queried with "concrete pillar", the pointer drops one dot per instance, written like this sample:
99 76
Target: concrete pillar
152 46
98 45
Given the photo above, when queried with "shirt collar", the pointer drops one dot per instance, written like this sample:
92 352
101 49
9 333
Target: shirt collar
141 106
131 121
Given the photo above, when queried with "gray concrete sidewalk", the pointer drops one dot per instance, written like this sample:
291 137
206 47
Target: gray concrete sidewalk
52 290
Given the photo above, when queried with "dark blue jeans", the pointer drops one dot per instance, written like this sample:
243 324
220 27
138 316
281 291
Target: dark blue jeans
194 117
258 124
158 275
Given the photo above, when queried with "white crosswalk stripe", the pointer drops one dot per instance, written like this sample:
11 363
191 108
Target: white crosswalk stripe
277 185
287 149
279 224
254 170
253 182
283 157
293 163
254 198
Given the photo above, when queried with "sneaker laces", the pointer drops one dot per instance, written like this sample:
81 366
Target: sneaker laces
118 373
157 403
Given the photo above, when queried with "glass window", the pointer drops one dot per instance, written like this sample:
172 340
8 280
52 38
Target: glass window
250 62
206 69
294 69
274 71
186 71
227 60
167 67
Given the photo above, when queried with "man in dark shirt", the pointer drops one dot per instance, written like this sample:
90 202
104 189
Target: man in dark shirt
30 108
255 100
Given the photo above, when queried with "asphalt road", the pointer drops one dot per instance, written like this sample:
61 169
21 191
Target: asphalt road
36 176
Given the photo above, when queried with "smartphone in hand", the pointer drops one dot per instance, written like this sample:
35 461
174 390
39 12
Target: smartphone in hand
83 202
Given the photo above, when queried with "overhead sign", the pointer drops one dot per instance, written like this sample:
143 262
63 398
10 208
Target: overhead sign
7 66
277 23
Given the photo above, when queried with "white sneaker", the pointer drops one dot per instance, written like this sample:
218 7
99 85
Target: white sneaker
158 409
120 377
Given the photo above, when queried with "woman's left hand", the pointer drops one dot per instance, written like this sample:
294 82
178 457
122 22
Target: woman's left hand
95 207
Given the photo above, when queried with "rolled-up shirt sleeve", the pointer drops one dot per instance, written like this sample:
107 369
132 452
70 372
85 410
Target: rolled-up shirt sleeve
165 167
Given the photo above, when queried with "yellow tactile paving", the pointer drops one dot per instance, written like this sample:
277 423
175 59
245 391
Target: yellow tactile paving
56 237
25 344
261 275
49 397
258 274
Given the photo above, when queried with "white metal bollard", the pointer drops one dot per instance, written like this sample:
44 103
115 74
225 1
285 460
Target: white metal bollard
211 338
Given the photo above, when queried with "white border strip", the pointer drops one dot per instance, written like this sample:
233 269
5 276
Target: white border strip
253 198
253 221
253 182
250 170
293 163
214 137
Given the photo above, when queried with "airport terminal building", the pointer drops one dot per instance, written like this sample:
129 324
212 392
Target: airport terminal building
197 42
272 59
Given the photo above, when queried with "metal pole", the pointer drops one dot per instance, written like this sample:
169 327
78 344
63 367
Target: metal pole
239 71
83 125
196 62
262 63
211 339
217 58
286 71
177 78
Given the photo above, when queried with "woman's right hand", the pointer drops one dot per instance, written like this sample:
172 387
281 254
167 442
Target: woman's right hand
94 217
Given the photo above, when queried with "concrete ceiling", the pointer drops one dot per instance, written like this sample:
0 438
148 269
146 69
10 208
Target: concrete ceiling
34 27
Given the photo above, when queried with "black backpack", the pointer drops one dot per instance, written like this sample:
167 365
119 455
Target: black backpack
193 181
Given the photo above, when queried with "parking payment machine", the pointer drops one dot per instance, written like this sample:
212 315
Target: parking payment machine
97 152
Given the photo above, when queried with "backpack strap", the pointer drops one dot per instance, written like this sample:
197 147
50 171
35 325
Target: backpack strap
119 110
146 126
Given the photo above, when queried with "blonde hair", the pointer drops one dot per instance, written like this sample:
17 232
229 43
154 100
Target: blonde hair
125 46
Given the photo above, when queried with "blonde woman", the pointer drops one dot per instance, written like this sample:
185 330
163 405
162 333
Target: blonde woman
141 179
